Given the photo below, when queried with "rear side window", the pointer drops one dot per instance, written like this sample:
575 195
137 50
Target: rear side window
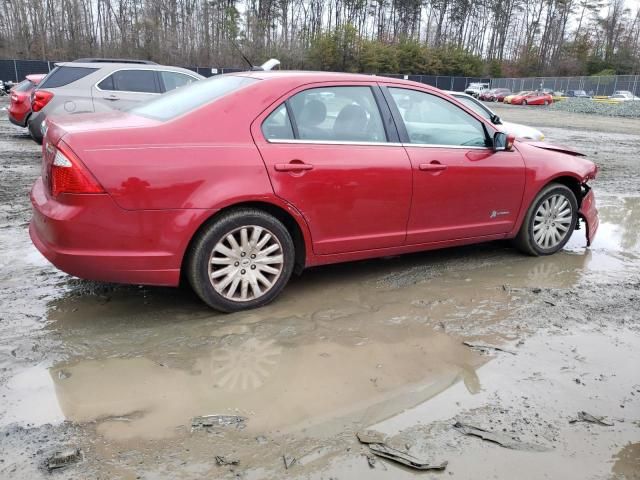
143 81
173 80
177 102
277 126
63 75
338 114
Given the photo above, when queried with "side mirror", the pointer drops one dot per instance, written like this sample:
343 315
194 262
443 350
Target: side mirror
503 142
495 119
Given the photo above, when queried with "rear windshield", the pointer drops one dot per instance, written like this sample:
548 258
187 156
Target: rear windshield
63 75
23 86
179 101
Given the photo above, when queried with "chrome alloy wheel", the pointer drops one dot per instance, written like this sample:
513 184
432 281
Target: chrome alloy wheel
246 263
552 221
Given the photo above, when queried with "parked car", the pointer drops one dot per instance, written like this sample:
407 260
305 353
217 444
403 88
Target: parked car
498 95
509 98
476 88
533 98
101 85
624 96
577 94
290 179
485 93
519 131
20 100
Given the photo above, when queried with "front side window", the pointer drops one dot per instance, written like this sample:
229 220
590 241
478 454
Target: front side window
432 120
143 81
337 114
173 80
277 125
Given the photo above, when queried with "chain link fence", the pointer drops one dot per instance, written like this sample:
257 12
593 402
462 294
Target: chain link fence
16 70
594 86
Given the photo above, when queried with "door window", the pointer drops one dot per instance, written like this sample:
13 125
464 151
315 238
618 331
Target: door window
173 80
143 81
277 126
337 114
432 120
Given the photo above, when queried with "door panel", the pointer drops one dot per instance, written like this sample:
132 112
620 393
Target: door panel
124 89
353 189
461 188
478 193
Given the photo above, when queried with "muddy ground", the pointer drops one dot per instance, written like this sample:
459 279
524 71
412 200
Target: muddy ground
119 371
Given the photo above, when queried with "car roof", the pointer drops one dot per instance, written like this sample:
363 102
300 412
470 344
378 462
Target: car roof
305 76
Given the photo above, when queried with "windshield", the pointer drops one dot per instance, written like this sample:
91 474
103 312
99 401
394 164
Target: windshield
182 100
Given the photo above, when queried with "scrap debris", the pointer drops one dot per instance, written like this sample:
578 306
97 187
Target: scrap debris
64 458
483 347
501 439
207 421
376 442
371 436
587 417
288 460
222 460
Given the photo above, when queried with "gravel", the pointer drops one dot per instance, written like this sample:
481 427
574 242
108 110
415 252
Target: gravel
629 109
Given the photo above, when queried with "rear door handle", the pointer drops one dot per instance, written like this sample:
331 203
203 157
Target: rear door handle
432 167
292 167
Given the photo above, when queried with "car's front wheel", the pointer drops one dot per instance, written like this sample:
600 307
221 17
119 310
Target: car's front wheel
550 221
242 260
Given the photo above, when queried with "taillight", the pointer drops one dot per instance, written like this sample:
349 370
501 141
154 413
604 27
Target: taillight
40 100
69 175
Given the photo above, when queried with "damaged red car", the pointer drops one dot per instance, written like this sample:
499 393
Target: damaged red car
236 182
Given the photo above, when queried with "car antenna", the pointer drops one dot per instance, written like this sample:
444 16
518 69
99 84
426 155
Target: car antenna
251 66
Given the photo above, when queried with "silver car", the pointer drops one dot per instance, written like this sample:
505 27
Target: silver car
520 131
99 85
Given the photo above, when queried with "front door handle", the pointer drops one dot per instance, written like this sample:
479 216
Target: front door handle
292 167
434 166
112 98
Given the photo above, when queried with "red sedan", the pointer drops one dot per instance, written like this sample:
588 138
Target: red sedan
20 103
237 181
533 98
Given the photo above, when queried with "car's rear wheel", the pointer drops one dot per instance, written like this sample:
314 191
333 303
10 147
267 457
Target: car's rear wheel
524 102
550 221
546 102
242 260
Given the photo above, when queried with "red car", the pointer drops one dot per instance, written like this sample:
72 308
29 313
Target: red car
533 98
499 95
20 103
235 182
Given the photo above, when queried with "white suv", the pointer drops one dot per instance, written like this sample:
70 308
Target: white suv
98 85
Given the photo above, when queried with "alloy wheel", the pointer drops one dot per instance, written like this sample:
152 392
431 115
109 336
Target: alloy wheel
246 263
552 221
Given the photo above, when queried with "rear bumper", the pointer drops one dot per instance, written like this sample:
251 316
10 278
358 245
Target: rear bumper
17 118
90 237
589 213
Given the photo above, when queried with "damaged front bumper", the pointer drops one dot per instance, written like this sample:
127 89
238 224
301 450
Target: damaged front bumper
589 214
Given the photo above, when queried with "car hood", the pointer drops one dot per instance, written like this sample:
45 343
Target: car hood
557 148
521 132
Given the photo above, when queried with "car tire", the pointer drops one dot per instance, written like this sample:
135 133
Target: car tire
524 102
546 102
555 198
258 260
